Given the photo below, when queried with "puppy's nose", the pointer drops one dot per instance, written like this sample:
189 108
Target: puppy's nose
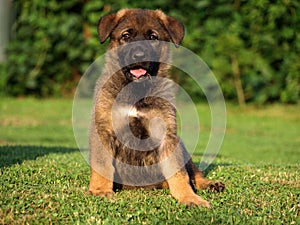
138 54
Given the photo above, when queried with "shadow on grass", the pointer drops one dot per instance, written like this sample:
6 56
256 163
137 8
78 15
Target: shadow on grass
209 167
212 167
10 155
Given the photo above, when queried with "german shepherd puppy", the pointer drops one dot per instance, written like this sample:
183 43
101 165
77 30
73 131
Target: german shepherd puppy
133 133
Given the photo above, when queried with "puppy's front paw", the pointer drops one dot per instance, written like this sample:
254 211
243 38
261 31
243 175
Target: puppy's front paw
194 200
101 193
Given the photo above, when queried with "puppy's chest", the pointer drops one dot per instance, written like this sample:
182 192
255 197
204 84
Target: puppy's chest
136 143
130 118
124 111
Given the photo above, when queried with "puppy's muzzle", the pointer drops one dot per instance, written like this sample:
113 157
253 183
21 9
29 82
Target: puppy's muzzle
139 60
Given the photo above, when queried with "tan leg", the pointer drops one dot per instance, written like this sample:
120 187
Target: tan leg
176 174
100 186
181 190
102 171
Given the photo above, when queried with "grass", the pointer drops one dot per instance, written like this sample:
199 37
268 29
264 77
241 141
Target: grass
44 178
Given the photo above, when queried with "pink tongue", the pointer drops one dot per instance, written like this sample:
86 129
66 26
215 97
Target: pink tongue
138 72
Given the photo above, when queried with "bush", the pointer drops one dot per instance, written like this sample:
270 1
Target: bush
54 45
252 46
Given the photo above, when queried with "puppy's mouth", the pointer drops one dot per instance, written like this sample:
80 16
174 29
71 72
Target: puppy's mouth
140 72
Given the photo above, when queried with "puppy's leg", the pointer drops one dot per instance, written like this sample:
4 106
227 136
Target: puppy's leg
100 186
102 170
177 176
181 190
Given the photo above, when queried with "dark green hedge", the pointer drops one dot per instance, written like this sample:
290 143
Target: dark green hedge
252 46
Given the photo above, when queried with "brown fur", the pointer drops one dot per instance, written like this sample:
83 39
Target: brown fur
107 152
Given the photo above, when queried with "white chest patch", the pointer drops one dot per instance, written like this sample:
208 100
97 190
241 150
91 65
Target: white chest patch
124 112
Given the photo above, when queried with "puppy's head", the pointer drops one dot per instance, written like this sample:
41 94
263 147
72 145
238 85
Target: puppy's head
139 34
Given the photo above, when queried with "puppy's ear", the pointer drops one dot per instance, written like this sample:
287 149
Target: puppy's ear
174 27
105 26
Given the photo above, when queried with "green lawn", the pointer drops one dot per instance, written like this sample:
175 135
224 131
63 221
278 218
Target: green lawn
44 178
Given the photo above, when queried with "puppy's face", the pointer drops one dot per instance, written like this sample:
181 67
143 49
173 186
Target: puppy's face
138 36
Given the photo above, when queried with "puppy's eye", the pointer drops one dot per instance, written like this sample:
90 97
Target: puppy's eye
153 37
125 36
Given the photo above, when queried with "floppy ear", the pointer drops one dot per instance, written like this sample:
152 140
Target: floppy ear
105 26
175 29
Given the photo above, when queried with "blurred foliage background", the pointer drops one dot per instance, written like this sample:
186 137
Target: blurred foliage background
252 46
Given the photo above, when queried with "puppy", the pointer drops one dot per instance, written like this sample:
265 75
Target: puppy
133 132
